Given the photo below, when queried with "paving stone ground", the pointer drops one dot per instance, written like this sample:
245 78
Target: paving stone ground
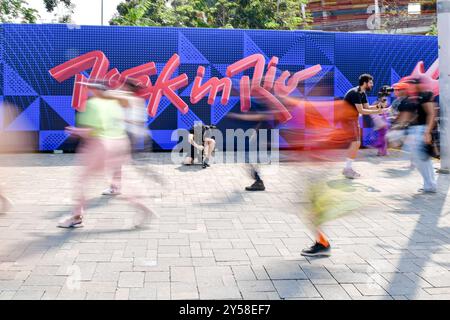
213 240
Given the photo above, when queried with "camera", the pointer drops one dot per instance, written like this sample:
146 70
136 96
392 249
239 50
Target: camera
384 92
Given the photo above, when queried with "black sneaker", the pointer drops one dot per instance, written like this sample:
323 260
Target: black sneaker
317 250
258 185
205 165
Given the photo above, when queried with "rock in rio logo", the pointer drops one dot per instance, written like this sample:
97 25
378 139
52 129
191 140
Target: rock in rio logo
262 84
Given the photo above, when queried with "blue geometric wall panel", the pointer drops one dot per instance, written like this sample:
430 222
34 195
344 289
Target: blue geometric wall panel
251 48
315 80
163 104
43 105
163 138
51 140
27 120
394 77
62 105
187 121
188 52
341 84
14 85
1 113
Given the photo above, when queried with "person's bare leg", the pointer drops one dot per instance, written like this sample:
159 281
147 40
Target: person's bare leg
117 179
353 149
352 153
76 219
211 147
92 163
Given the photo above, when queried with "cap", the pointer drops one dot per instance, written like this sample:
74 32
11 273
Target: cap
401 86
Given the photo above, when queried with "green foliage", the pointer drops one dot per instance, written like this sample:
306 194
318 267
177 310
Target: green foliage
192 13
142 13
17 11
13 11
433 30
51 5
66 5
242 14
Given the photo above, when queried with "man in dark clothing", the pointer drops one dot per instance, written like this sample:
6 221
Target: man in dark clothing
262 117
357 98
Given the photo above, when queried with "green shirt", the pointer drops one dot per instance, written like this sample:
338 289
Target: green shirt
105 117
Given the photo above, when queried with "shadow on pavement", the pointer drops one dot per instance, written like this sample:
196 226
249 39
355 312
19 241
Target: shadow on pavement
190 168
397 173
425 238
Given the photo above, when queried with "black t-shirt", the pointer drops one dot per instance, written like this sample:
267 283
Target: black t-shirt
355 96
405 105
424 97
416 104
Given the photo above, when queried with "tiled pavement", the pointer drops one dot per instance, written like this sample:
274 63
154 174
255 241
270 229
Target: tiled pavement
213 240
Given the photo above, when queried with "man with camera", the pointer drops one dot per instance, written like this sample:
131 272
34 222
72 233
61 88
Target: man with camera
357 98
200 138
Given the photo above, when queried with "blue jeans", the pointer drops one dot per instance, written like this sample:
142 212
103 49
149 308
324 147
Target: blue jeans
420 158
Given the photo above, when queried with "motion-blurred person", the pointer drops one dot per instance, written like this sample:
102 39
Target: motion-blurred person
403 114
134 117
327 146
318 144
104 146
328 201
135 114
11 142
401 94
357 98
262 118
381 127
422 103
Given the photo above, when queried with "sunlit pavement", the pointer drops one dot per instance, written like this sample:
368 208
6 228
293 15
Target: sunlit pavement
213 240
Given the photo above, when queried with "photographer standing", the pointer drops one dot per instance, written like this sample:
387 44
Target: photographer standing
357 98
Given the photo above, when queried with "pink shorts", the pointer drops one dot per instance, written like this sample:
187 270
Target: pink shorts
100 153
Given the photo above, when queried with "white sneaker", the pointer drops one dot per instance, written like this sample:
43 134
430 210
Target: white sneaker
111 191
71 222
350 174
